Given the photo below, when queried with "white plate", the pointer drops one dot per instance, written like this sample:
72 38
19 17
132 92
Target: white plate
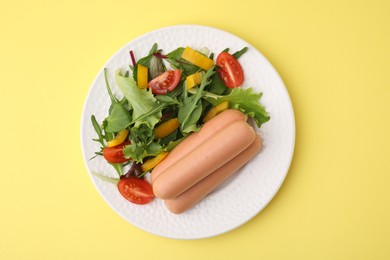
240 198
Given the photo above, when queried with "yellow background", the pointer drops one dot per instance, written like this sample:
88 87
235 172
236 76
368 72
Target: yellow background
334 57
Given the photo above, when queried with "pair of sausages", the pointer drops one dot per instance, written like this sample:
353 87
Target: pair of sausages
204 160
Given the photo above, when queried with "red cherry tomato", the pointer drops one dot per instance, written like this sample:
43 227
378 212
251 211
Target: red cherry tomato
136 190
165 82
115 154
230 70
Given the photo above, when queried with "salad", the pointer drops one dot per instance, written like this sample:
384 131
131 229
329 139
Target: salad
166 97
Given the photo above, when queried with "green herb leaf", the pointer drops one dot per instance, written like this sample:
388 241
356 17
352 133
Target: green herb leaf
118 168
245 100
141 100
167 99
191 110
171 145
153 49
118 119
112 97
98 130
138 151
189 114
216 86
239 53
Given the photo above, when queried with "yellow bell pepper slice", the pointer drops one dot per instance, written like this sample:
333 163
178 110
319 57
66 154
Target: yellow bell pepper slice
119 138
151 163
193 80
197 58
142 76
216 110
166 128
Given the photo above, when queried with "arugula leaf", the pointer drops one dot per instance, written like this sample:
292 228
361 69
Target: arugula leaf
112 97
189 114
167 99
153 49
118 119
239 53
171 145
141 100
98 130
191 110
216 86
118 168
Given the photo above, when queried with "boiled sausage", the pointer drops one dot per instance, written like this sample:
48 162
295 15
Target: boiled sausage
197 192
203 160
194 140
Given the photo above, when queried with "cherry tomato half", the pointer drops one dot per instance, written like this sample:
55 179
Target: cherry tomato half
230 70
165 82
136 190
114 154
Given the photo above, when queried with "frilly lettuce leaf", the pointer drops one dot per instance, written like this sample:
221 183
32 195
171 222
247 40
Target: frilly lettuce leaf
138 152
118 119
142 101
145 113
245 100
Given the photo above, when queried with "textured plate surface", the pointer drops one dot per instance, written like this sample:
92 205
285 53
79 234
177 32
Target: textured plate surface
241 197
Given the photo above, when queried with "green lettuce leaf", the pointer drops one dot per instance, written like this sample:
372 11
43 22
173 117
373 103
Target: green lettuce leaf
138 151
145 114
118 119
142 101
245 100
